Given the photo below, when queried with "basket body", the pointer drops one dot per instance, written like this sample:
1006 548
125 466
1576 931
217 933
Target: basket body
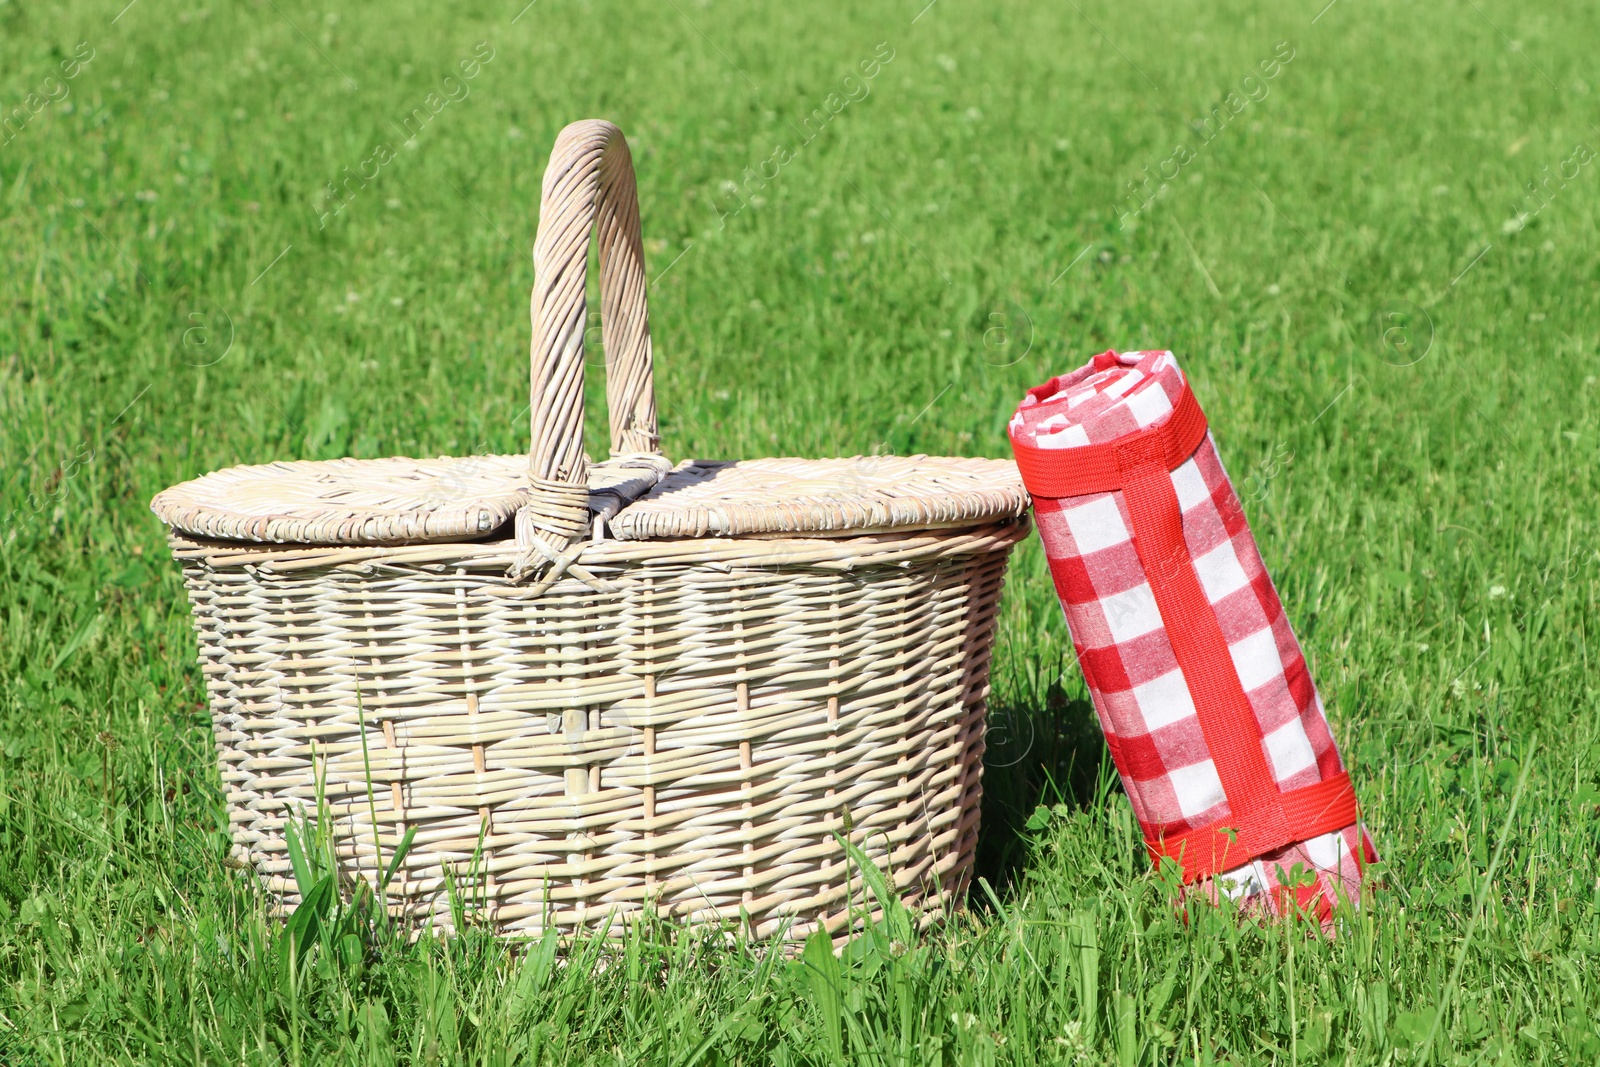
686 734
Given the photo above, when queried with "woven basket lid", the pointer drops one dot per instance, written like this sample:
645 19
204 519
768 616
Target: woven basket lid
823 497
414 501
373 501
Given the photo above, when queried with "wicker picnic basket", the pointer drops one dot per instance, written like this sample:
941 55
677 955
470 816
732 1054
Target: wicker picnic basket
593 692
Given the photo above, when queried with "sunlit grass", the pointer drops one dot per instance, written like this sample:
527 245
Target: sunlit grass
179 296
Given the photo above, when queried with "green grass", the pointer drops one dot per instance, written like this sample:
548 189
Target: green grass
950 238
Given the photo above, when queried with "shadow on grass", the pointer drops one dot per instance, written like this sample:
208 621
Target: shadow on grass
1035 755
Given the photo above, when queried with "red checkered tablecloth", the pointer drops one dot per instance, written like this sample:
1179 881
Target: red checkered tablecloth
1200 685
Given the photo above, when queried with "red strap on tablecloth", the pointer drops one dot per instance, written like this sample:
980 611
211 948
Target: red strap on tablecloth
1061 473
1324 808
1140 466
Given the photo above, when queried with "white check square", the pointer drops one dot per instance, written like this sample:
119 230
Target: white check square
1124 383
1066 437
1289 749
1132 613
1198 788
1096 525
1148 406
1164 700
1190 485
1256 659
1220 572
1324 850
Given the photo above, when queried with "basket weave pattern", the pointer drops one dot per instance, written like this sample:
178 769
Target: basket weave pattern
689 742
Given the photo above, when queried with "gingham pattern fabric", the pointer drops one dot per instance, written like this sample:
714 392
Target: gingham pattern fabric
1140 693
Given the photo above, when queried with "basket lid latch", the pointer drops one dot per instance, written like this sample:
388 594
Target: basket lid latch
537 551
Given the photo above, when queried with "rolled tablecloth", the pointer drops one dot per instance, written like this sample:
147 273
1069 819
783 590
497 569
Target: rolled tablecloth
1202 691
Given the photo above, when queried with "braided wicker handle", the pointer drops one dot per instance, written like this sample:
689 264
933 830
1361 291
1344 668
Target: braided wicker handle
588 185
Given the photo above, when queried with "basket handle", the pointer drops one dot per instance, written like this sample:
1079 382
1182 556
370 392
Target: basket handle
589 185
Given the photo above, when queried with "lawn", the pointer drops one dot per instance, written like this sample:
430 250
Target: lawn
1326 212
